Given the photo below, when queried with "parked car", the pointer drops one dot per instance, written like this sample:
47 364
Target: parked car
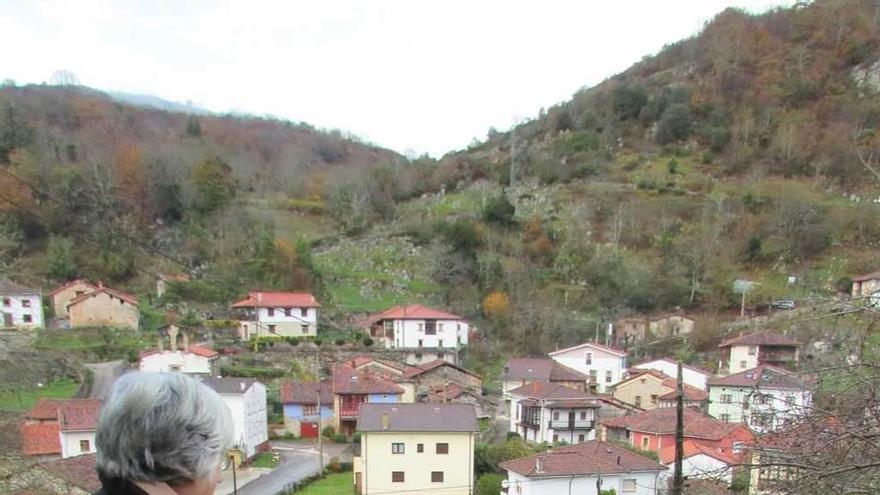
786 304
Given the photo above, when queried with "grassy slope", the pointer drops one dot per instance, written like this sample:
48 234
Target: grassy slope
333 484
15 401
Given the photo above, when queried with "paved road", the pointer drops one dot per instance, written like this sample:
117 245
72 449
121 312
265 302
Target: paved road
103 376
294 466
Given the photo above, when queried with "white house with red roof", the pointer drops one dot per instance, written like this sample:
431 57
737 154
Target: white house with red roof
549 412
424 333
176 354
60 426
583 467
744 352
277 314
78 423
604 365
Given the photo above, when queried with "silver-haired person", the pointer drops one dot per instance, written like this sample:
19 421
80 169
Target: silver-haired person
161 434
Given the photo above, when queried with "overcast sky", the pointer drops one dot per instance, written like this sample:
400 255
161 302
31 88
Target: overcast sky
404 74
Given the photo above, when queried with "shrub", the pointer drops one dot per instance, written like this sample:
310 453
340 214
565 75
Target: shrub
499 211
334 465
513 434
672 166
356 438
328 431
674 124
627 100
318 341
340 438
368 341
489 484
339 342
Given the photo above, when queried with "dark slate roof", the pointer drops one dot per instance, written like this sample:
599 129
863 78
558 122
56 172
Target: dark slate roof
347 380
230 385
763 376
541 369
418 417
582 459
306 392
761 338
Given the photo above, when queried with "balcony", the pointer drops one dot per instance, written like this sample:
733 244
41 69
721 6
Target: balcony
348 412
578 424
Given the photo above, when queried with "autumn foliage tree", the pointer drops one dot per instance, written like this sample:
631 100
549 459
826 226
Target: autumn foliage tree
215 184
496 305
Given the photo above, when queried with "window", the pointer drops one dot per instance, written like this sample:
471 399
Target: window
420 343
628 485
271 328
304 312
607 376
743 364
25 303
593 375
389 325
726 398
7 302
27 318
79 292
589 358
397 476
555 415
581 437
84 446
653 398
583 414
645 442
287 311
725 418
753 350
436 476
430 327
310 410
397 448
638 401
555 438
442 448
762 399
420 448
175 368
439 342
270 311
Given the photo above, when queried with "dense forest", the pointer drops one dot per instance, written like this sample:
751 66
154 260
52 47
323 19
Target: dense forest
749 151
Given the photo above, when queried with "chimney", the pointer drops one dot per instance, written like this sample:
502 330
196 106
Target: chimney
618 460
185 342
160 344
100 284
539 464
385 420
241 385
172 336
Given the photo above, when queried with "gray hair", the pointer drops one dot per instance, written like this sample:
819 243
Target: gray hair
162 427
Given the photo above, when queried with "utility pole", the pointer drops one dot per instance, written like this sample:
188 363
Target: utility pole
320 414
678 477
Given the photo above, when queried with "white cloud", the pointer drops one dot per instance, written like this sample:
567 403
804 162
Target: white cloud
428 76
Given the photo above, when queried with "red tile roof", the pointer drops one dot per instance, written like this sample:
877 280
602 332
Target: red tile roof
196 349
71 284
582 459
78 417
662 422
594 345
348 381
260 299
760 338
411 312
867 276
47 409
667 454
40 439
544 390
763 376
78 471
307 392
105 290
541 369
691 394
437 363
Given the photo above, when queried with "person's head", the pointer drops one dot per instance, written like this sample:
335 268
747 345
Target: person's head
163 427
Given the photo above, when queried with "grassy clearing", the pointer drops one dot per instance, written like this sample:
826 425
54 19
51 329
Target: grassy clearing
333 484
264 460
11 400
291 226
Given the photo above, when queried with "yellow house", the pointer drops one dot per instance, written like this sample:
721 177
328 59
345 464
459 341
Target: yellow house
650 389
104 307
416 448
62 295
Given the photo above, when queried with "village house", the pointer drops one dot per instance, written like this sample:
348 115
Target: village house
352 389
520 371
22 307
584 468
764 397
71 476
439 373
176 354
423 333
277 314
747 351
672 325
63 294
603 365
547 412
628 331
163 279
654 431
303 416
866 285
690 375
650 389
388 369
42 431
246 399
104 307
416 448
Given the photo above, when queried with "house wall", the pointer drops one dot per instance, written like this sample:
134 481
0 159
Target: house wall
566 435
691 377
249 418
781 406
187 362
671 326
279 325
451 334
702 466
457 466
61 298
104 310
740 359
646 484
424 356
601 362
447 374
70 443
645 387
865 287
293 417
20 305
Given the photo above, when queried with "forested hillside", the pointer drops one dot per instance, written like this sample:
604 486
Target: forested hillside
747 152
